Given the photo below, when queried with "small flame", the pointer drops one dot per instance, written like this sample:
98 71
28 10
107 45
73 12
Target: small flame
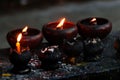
25 29
61 23
93 21
19 37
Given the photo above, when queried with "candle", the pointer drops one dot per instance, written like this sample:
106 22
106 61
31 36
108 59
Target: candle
95 27
56 32
20 61
31 37
18 43
20 57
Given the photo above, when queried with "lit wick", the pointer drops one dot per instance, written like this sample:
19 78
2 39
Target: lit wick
18 43
24 31
93 21
60 25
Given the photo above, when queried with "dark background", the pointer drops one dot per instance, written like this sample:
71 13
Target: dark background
8 5
35 13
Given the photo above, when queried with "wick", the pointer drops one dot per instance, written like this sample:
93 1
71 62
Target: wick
93 23
59 28
25 49
24 33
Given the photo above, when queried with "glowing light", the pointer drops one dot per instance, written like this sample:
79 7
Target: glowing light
61 23
25 29
18 43
93 21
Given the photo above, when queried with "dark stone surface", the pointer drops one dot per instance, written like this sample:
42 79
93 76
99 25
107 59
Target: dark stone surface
107 68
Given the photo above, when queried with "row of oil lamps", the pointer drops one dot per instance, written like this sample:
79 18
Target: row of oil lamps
60 34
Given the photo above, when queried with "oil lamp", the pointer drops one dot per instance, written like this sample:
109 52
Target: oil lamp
49 56
73 49
20 57
94 27
93 49
31 37
56 32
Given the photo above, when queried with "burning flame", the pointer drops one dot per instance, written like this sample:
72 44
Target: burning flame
61 23
93 21
18 43
25 29
19 37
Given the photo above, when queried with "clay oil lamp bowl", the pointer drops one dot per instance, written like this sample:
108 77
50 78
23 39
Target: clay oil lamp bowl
93 49
56 32
49 56
73 49
94 27
31 37
20 57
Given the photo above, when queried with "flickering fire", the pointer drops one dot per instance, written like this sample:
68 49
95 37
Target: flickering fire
19 37
25 29
60 25
18 43
93 21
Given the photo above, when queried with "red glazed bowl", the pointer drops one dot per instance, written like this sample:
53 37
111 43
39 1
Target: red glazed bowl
100 30
57 36
33 38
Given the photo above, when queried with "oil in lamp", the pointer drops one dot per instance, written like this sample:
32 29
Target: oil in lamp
31 37
94 27
56 32
19 57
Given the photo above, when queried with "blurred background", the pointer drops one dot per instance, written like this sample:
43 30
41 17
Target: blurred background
35 13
